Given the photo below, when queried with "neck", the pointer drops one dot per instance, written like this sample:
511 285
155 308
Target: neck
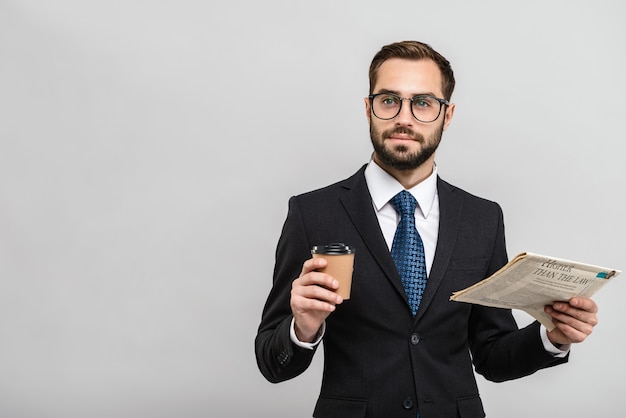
409 178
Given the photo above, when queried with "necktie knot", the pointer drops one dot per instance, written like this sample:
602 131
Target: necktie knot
404 203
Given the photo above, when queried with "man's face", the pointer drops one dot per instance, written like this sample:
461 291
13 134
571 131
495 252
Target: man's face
404 143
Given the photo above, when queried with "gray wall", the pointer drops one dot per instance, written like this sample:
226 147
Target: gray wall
148 149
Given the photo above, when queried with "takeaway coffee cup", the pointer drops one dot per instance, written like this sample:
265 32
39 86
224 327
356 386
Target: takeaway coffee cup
340 259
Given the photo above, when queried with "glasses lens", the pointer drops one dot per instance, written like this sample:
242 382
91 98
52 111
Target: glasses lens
386 106
425 108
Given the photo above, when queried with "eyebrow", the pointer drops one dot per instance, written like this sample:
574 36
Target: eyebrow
387 91
384 91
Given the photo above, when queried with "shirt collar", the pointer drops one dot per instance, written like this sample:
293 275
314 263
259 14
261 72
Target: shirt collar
383 187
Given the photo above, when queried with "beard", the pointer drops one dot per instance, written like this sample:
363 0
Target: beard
399 157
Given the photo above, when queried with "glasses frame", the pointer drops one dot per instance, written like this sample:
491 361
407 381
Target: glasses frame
442 102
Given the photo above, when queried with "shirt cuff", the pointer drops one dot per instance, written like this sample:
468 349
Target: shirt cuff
309 346
550 348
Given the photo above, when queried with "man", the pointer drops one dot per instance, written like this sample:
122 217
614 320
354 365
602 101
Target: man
391 351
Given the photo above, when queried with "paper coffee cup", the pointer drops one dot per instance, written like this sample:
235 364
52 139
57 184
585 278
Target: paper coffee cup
340 263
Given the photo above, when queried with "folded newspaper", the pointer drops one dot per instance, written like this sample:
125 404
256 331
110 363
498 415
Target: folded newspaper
530 281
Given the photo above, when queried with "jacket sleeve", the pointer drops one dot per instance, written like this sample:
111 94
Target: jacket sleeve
500 350
277 357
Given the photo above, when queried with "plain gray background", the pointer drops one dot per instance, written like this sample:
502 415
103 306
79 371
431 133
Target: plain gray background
148 150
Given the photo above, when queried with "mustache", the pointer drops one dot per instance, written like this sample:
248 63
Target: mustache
404 131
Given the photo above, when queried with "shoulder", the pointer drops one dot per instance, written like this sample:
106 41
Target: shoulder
339 188
453 195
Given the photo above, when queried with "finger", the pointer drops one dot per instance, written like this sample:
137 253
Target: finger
313 264
585 304
317 278
571 334
316 286
302 304
581 325
585 316
574 319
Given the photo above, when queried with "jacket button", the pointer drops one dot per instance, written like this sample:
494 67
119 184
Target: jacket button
415 338
407 403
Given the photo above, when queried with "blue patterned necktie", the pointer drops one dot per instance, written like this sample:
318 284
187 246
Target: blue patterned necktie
407 250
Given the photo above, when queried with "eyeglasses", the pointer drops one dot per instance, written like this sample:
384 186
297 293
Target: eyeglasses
425 108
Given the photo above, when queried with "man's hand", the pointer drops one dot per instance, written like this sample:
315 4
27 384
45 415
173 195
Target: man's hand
574 320
312 299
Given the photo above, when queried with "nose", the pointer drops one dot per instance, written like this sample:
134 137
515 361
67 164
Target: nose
405 116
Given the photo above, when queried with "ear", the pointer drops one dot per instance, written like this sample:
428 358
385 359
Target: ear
448 115
368 110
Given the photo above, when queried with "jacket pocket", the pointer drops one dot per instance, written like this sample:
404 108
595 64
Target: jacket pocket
331 407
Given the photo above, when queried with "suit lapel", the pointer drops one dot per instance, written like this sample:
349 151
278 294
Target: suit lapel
358 204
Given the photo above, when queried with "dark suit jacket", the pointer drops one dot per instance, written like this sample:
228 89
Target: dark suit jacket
379 360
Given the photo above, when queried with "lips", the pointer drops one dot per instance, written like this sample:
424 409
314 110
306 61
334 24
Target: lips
401 134
402 137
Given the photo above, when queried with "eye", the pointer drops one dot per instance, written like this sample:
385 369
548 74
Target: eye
423 101
388 100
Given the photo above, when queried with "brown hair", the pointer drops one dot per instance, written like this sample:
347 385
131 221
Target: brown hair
413 50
